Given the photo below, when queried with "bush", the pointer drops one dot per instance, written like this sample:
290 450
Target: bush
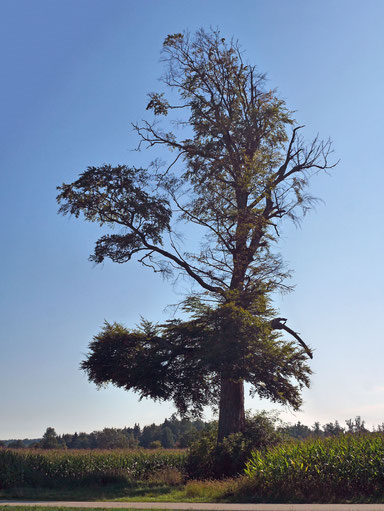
156 444
207 459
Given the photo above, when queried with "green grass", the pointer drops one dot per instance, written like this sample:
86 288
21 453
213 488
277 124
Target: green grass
138 491
193 491
56 508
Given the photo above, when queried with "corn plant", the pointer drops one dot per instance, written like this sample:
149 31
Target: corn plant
345 467
52 468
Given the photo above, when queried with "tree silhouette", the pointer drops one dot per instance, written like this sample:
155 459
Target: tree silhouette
241 170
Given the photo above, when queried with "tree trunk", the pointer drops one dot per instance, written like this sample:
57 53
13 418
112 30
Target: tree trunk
231 411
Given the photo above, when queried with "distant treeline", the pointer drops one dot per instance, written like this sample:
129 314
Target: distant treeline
173 433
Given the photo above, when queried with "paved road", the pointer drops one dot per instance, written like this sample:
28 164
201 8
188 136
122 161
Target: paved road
202 506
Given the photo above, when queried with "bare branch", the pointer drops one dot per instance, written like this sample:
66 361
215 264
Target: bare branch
279 324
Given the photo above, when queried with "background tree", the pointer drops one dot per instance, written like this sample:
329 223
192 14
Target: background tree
356 426
81 441
167 438
150 434
111 438
241 169
316 430
16 444
333 429
50 440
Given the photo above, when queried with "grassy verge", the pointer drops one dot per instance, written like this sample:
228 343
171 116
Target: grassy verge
192 491
135 491
240 490
55 508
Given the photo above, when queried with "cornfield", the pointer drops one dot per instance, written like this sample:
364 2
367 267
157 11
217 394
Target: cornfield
54 468
332 469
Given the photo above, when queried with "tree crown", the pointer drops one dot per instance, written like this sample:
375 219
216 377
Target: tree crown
241 170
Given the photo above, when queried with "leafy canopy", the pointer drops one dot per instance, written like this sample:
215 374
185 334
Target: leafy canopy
184 361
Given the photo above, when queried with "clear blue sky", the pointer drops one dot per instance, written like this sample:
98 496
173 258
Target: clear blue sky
74 74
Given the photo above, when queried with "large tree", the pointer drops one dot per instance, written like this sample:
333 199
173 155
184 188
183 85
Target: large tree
239 170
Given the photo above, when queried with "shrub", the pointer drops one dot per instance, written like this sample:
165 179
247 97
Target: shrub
156 444
207 459
167 475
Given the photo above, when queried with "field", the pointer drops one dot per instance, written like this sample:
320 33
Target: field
327 470
347 468
44 468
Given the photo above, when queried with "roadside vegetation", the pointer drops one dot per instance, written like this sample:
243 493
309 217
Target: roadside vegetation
57 508
270 462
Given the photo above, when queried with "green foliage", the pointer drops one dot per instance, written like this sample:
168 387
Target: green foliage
79 441
297 431
348 467
116 195
333 429
16 444
356 426
156 444
173 432
50 440
54 468
185 360
208 459
111 438
167 438
318 470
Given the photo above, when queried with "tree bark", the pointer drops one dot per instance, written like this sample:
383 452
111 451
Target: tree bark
231 411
